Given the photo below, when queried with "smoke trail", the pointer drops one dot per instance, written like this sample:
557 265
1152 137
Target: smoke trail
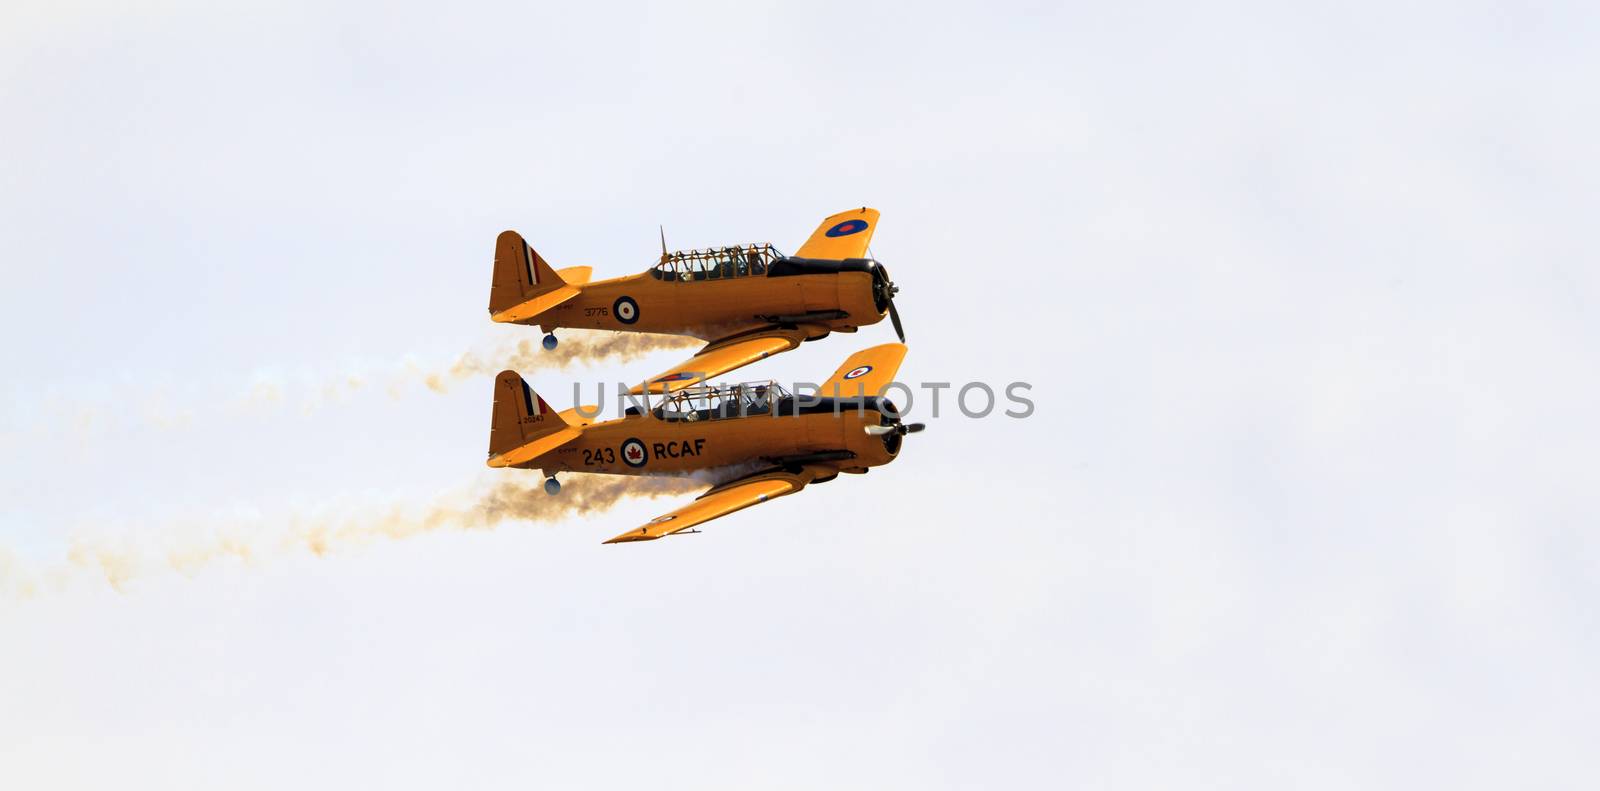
526 356
507 500
119 561
168 408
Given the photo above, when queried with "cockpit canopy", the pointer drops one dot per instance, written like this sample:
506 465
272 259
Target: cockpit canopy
724 402
708 402
716 263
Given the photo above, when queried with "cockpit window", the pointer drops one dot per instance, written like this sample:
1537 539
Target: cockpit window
721 403
717 263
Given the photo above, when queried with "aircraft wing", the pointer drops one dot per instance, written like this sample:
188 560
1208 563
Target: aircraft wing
720 357
844 235
722 501
866 372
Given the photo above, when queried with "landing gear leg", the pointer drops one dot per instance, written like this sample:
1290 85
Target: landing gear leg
550 342
552 486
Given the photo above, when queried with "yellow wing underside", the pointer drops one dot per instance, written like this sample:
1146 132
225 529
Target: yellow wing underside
866 372
723 356
844 235
722 501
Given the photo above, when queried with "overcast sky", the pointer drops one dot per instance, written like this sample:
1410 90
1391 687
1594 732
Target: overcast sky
1308 500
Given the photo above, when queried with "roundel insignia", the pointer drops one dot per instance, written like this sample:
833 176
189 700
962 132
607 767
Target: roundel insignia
625 309
668 518
847 227
858 372
633 453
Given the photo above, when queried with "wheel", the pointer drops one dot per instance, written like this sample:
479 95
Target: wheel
552 487
550 342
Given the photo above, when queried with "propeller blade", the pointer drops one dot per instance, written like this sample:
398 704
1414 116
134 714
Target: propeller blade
887 290
902 430
663 230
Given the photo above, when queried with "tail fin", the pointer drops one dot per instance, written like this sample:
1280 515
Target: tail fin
524 427
524 285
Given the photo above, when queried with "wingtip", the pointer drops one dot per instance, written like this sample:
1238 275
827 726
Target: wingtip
630 537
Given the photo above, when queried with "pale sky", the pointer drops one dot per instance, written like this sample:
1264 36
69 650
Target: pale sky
1308 499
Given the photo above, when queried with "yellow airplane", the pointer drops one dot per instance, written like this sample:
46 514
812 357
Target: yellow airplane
757 439
748 301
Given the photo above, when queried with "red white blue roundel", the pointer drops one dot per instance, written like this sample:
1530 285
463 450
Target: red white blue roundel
858 372
634 453
847 228
625 309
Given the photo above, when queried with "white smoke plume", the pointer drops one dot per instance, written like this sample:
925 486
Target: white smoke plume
119 561
177 408
526 355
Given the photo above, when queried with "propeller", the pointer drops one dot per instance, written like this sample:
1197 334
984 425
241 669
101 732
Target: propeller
885 290
902 430
663 230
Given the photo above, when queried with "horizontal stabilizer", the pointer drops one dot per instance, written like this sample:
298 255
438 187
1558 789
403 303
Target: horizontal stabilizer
576 275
